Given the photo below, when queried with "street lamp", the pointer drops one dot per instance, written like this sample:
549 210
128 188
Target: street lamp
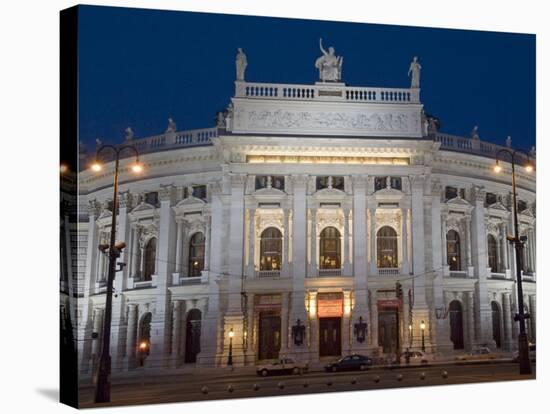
103 390
523 346
422 328
230 355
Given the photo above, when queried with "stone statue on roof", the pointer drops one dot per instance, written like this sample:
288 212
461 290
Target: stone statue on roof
509 141
171 125
414 73
241 63
329 65
474 134
129 134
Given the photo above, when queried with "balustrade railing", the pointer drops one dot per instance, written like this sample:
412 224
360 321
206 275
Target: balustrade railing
388 271
330 272
324 92
458 273
268 273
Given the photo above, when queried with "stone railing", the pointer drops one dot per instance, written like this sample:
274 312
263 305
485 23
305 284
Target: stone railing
325 92
469 145
262 274
388 271
458 273
330 272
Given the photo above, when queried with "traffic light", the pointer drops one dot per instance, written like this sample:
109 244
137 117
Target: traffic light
398 290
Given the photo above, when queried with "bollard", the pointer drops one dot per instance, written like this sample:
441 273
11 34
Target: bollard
399 377
305 384
376 379
281 385
422 375
353 381
444 374
256 387
204 390
329 383
230 388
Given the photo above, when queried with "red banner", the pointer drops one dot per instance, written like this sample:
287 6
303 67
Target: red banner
389 303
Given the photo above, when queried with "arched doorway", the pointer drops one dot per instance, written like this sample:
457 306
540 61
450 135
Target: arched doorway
495 311
457 327
192 335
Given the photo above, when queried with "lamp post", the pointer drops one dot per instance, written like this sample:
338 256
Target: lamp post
422 328
523 346
230 354
103 389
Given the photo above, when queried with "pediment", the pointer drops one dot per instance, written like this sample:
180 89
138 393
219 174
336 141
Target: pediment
391 192
330 193
104 214
143 206
269 192
527 212
458 201
498 206
190 201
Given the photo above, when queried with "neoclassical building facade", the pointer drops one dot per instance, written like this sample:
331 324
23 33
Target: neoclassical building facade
290 224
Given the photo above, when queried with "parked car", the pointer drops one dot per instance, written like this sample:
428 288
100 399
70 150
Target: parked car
281 366
350 363
478 354
532 353
416 357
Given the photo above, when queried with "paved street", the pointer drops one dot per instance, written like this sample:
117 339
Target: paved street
223 383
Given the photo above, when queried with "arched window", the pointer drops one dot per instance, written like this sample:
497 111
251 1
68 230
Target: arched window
144 331
386 247
149 266
329 249
492 253
270 249
453 250
196 254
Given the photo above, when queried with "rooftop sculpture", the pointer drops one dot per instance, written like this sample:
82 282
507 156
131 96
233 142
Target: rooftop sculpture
329 65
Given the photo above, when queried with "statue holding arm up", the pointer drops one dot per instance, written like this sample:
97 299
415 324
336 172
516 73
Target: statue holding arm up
241 63
329 65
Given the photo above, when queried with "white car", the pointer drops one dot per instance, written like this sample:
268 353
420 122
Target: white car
281 366
416 357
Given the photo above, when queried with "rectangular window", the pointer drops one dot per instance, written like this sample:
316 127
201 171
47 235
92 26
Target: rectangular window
379 183
450 192
199 191
490 198
396 183
275 181
152 198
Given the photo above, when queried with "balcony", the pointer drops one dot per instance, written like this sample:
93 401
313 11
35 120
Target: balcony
268 274
458 273
388 271
330 272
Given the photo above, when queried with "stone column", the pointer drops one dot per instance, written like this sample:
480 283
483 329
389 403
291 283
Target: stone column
131 336
286 244
177 331
179 247
374 322
136 253
480 263
251 242
285 329
234 316
507 320
313 327
160 325
471 321
211 335
347 337
299 249
207 242
373 264
347 252
468 237
404 246
250 351
313 272
441 329
96 344
360 308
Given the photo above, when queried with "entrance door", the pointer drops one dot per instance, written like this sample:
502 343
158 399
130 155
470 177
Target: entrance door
269 335
387 329
496 323
455 320
192 335
330 336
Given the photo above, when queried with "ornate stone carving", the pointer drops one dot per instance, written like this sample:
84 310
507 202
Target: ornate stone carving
166 192
94 208
129 134
171 126
478 193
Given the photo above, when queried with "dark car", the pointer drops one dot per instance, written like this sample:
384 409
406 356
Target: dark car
353 362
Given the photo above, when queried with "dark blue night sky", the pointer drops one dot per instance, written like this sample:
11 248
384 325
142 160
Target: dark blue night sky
138 67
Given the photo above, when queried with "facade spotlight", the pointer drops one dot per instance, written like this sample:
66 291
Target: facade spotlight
96 166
